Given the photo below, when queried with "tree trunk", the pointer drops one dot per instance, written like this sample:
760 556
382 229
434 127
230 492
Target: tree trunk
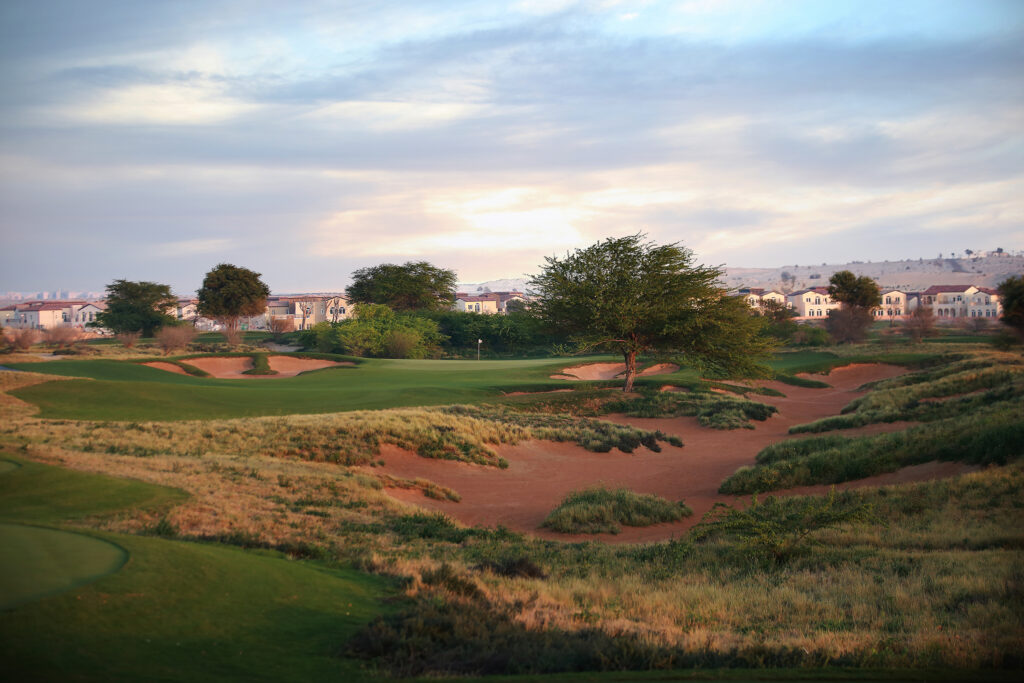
630 357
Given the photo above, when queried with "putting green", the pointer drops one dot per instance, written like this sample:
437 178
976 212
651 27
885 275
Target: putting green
37 562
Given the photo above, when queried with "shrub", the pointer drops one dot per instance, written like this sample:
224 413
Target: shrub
128 339
600 510
280 326
775 530
23 339
174 337
62 337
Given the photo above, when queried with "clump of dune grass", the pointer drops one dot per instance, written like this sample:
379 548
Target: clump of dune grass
955 388
993 435
594 435
600 510
260 365
713 410
463 433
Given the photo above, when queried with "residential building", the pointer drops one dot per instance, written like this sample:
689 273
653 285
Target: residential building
813 304
485 303
949 301
478 303
896 305
756 296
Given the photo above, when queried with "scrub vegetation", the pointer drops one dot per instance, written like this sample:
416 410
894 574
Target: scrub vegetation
920 576
600 510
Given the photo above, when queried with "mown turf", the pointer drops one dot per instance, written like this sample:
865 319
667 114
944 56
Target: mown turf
128 391
176 611
36 562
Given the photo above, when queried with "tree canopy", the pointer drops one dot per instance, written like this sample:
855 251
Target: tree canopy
859 295
136 307
230 292
856 292
414 285
1011 291
634 296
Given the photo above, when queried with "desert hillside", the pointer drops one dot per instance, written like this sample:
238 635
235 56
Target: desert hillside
909 274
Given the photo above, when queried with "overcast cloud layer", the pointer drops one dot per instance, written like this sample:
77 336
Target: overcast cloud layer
152 140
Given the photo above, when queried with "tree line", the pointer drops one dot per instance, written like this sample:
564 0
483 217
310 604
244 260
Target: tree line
625 295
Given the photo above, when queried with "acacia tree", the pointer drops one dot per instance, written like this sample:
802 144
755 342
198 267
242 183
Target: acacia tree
409 287
230 292
634 296
858 295
136 307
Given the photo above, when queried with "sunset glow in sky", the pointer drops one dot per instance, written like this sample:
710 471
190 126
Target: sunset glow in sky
153 140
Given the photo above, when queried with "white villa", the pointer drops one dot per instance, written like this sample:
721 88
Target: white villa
812 303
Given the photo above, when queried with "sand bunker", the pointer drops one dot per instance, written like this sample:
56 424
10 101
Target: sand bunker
542 473
603 371
168 367
234 367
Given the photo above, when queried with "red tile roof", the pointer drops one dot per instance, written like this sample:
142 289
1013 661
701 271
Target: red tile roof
943 289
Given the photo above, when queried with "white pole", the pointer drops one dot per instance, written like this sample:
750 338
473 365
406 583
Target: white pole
478 343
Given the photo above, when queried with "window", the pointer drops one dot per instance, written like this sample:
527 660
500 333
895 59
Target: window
888 299
817 300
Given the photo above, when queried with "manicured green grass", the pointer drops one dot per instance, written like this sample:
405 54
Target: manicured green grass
36 562
129 391
40 494
176 611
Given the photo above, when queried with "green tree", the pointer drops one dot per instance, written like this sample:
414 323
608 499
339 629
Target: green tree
855 292
412 286
633 296
858 295
136 307
1011 293
230 292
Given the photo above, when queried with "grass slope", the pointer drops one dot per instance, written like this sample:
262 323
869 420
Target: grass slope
177 611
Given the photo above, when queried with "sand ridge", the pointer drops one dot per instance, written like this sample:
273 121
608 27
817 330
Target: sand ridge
542 473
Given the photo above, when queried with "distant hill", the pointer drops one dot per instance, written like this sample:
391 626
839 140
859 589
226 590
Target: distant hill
909 274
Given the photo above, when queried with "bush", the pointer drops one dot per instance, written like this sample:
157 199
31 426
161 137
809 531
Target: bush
62 337
776 530
23 339
174 337
128 339
600 510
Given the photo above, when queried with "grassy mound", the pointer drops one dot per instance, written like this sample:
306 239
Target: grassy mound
713 410
957 387
989 436
602 511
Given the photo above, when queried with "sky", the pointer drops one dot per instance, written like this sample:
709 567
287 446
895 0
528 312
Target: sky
154 140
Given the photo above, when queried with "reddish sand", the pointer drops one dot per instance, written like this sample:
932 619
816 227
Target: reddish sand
596 371
234 367
541 473
169 367
289 366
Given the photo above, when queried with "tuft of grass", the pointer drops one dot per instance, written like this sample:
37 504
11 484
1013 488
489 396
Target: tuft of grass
795 381
600 510
260 365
